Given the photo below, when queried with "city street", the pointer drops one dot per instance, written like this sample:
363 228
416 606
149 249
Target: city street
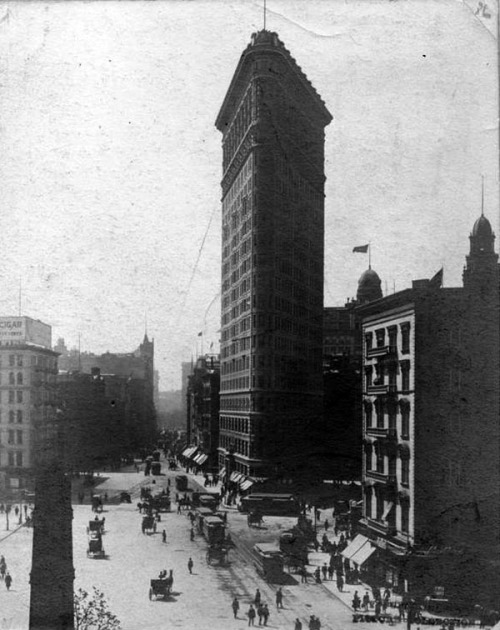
201 600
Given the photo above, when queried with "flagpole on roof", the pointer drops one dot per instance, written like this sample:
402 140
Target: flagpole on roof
369 255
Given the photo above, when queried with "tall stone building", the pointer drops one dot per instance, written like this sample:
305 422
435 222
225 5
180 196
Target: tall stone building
272 121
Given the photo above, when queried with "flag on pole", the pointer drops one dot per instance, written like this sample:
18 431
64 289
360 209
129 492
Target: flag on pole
200 334
437 280
361 249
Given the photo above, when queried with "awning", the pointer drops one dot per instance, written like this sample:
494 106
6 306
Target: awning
193 451
201 459
222 473
246 484
185 452
354 546
362 555
236 476
196 458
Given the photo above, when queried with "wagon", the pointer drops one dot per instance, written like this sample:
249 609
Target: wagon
148 525
125 497
217 553
160 588
269 562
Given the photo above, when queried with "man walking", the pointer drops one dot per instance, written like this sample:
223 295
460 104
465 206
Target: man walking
298 624
256 598
8 581
235 606
265 613
190 565
164 536
251 615
279 598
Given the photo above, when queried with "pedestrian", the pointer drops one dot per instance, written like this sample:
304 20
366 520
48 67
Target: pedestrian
324 571
279 598
317 575
378 607
327 524
298 624
191 534
356 602
340 582
164 536
8 581
260 613
178 508
257 597
317 513
303 575
190 565
251 615
330 572
235 606
366 601
265 614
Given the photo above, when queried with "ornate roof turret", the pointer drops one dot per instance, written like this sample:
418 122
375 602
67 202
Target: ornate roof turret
369 287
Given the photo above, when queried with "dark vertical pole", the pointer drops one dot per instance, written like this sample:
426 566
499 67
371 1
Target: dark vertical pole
52 572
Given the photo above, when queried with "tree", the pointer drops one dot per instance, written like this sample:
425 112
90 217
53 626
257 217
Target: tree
92 612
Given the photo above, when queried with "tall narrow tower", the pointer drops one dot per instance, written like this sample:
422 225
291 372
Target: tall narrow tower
272 121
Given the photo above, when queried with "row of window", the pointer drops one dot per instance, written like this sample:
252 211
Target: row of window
243 382
235 403
376 461
230 423
394 515
389 336
391 370
14 416
41 361
238 128
389 409
241 447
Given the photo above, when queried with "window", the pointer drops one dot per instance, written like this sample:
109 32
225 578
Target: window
12 360
379 410
380 463
405 517
405 420
19 416
393 337
19 360
11 417
405 338
19 396
11 378
368 413
380 334
380 505
11 458
368 341
393 374
405 376
405 470
368 375
368 503
19 378
19 436
19 459
11 396
11 437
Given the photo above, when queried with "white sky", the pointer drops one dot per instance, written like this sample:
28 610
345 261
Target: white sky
110 163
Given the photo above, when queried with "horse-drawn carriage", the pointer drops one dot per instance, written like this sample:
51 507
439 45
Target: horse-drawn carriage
95 548
217 553
148 525
159 502
96 502
254 519
160 587
97 525
125 497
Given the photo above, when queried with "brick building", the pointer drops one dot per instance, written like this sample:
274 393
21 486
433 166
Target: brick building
431 429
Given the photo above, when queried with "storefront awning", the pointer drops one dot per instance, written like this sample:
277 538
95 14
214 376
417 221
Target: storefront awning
246 484
362 555
354 546
222 473
201 459
185 452
192 453
196 458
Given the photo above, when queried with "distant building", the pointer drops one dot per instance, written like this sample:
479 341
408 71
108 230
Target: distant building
203 411
272 121
186 369
338 452
28 368
431 478
137 370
